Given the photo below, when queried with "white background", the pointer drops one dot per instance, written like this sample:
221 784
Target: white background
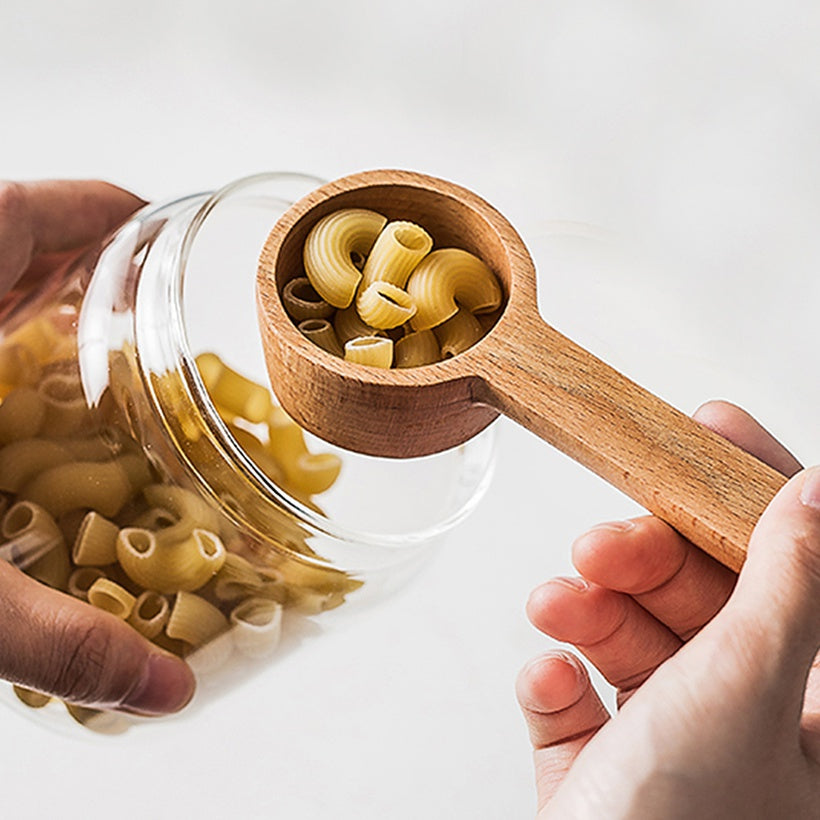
660 159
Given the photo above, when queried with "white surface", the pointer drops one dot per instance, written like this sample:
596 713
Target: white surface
676 141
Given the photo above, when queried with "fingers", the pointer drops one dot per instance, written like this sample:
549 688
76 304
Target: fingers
678 584
69 649
777 601
53 216
616 634
739 427
562 712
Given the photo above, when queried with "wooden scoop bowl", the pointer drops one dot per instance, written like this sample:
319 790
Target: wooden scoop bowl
708 489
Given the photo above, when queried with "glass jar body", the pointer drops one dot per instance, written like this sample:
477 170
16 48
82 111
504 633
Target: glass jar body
151 473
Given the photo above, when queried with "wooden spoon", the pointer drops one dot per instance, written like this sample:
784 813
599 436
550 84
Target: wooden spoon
708 489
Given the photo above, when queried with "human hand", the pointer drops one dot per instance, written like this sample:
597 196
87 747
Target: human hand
716 676
52 642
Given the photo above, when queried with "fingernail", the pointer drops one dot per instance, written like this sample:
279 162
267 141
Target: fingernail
578 584
810 491
616 526
166 686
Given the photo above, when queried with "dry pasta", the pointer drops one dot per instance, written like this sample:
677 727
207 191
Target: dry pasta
398 249
21 415
65 404
96 542
107 595
448 276
231 390
169 567
150 613
194 620
384 306
302 302
189 509
417 348
328 249
321 333
348 325
20 461
459 332
256 626
372 350
35 543
81 580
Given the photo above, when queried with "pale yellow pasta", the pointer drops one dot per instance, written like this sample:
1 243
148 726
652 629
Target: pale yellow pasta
168 567
190 510
314 473
375 351
65 404
155 518
258 452
194 620
53 568
229 389
101 486
96 542
107 595
22 413
348 325
328 249
302 302
286 440
102 447
18 365
256 626
20 461
81 580
416 349
236 579
460 331
31 534
383 305
398 249
150 613
312 602
446 277
210 656
321 333
36 700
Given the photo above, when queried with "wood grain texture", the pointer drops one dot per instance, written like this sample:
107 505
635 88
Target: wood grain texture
708 489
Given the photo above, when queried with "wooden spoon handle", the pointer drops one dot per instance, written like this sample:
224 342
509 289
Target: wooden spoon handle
707 488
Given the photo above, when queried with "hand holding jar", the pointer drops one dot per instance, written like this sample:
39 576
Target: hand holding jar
52 642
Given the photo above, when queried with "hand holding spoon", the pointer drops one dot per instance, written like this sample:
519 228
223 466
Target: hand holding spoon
707 488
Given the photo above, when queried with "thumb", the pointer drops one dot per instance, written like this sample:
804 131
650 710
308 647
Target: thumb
773 616
57 644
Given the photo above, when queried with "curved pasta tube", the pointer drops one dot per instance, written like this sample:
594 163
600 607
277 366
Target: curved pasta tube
321 333
150 613
169 567
397 250
96 542
236 578
348 325
302 302
257 451
328 249
416 349
20 461
460 331
447 276
107 595
189 510
65 404
101 486
22 413
35 544
81 580
256 626
194 620
232 391
370 350
384 306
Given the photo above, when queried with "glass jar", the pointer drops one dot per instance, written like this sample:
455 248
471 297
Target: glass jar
156 477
